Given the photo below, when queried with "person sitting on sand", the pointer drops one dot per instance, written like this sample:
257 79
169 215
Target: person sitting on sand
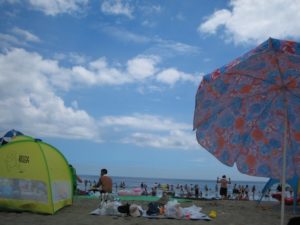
163 200
224 183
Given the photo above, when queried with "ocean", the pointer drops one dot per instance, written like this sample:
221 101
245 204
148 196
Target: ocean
209 188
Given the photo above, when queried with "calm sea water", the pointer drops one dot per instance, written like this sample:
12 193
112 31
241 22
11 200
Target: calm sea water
134 182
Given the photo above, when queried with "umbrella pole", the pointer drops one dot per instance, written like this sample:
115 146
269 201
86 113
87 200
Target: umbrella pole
283 177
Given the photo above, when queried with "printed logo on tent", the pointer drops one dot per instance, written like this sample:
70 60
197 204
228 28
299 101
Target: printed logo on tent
24 158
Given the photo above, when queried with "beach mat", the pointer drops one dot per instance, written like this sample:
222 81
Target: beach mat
148 198
138 198
86 196
133 198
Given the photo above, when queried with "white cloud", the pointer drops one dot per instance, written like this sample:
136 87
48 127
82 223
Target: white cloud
24 34
171 76
99 72
144 122
54 7
125 35
72 57
117 7
7 40
178 47
217 19
169 48
138 69
150 9
20 37
10 1
142 67
152 131
159 46
173 140
29 103
255 20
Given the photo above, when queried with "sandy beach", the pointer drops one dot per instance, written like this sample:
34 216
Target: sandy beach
228 212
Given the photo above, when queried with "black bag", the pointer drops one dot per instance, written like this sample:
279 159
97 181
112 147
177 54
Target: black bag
124 209
294 221
153 209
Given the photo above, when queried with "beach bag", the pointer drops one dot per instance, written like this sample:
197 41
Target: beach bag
294 221
124 209
153 209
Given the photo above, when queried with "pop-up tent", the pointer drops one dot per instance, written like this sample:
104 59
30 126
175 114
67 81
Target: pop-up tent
34 176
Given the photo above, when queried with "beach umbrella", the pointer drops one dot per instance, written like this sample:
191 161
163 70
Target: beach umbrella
248 112
9 135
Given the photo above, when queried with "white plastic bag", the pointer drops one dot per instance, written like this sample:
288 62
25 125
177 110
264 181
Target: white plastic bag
107 209
173 210
193 212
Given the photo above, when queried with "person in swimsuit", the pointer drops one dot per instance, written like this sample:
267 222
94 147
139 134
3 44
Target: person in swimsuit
224 183
105 182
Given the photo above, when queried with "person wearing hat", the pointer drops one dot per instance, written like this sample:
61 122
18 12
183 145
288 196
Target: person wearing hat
224 183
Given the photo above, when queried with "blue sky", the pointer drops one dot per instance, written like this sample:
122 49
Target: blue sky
112 83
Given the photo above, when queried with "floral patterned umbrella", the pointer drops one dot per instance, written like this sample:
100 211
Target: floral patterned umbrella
248 112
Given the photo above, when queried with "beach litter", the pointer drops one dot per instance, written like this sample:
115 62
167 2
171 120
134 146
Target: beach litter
212 214
171 210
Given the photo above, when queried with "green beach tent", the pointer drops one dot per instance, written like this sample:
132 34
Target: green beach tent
34 176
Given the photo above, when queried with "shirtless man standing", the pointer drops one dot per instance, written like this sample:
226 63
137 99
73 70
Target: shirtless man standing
224 183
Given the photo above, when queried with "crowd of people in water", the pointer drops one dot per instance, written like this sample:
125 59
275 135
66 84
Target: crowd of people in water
223 189
239 192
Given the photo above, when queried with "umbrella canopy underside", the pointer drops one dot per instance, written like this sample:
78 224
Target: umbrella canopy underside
241 110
